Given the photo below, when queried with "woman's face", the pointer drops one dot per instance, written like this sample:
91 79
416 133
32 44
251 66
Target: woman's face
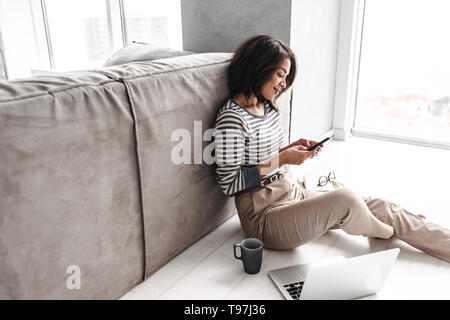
273 86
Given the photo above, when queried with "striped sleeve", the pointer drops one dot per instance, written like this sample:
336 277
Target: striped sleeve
232 175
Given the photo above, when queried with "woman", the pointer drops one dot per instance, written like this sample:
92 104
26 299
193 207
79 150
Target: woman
271 205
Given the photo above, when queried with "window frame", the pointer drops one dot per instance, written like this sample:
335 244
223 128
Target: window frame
347 66
351 30
115 17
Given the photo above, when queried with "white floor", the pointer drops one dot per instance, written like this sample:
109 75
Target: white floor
415 177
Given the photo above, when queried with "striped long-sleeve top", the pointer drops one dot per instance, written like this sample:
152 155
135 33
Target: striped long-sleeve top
242 142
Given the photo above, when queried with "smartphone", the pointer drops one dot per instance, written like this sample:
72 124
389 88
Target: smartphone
320 143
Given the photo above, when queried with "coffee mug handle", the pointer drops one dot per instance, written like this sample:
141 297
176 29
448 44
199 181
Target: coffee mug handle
234 251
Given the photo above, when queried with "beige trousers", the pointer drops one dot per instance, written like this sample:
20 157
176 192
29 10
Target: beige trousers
283 215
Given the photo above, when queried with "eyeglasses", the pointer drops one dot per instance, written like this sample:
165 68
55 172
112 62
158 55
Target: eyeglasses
323 180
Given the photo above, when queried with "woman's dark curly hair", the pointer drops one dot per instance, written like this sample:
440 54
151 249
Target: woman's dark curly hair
253 64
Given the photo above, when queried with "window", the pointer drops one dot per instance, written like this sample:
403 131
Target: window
43 35
79 33
154 21
3 75
404 71
20 38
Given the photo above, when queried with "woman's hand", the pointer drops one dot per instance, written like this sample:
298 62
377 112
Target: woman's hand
305 143
296 155
300 142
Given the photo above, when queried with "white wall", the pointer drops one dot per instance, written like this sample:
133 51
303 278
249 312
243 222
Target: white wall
310 27
314 39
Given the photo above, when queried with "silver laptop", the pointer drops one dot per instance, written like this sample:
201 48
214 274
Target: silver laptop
337 278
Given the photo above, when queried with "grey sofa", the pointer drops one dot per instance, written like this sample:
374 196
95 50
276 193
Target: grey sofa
87 180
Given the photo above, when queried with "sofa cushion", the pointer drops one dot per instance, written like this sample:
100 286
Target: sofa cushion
138 51
89 178
176 101
181 202
69 189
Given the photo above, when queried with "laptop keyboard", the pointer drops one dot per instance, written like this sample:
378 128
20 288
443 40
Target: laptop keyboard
294 289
